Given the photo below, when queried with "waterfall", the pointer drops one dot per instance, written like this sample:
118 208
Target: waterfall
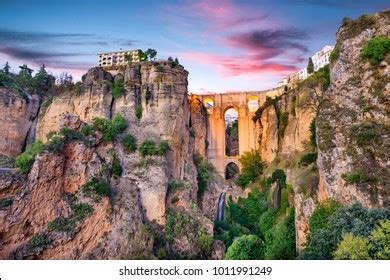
221 207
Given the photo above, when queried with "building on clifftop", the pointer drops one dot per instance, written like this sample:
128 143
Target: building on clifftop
112 59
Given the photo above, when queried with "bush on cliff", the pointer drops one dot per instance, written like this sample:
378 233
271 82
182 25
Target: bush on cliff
129 143
204 173
110 128
252 168
96 188
376 49
26 159
118 89
246 247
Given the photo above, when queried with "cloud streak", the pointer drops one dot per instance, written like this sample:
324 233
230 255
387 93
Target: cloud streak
37 47
246 50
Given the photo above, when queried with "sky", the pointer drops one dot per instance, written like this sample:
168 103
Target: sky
225 45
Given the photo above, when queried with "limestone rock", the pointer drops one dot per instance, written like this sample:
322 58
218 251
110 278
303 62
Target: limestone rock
17 116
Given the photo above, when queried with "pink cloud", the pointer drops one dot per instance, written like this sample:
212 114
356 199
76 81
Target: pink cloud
218 15
229 66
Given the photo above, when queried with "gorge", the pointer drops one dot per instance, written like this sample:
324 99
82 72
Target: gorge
131 166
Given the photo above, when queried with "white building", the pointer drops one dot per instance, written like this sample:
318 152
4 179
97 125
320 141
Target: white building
302 74
117 58
321 58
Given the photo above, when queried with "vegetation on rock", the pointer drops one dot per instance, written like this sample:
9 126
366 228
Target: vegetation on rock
376 49
129 143
118 89
252 168
26 159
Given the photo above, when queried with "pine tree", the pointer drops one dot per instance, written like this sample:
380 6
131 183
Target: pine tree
6 68
310 66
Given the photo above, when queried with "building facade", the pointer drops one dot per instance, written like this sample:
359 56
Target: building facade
117 58
321 58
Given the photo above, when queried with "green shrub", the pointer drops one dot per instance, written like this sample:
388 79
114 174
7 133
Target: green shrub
118 89
81 211
70 134
5 202
87 130
129 143
163 148
308 159
352 219
282 244
380 241
319 78
110 128
40 241
147 148
267 220
116 168
365 135
61 224
204 173
177 184
320 217
355 177
252 168
376 49
279 174
138 111
352 248
96 187
243 179
26 159
205 243
118 124
55 144
246 247
334 55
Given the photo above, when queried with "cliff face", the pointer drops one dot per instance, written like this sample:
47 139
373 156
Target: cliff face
353 122
17 115
131 222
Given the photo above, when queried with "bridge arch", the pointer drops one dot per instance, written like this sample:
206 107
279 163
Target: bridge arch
231 170
232 139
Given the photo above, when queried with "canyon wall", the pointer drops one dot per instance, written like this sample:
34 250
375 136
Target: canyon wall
130 222
353 122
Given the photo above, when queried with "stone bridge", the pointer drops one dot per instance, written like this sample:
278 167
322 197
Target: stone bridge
246 104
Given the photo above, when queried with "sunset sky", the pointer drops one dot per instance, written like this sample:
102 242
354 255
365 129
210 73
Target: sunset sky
225 45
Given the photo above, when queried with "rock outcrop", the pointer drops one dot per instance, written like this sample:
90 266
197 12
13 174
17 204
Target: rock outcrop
128 224
17 115
353 123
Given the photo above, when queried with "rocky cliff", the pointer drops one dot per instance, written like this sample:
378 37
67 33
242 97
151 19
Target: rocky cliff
353 122
75 204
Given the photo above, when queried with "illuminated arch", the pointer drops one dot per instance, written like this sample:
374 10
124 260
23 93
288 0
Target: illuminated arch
208 102
253 103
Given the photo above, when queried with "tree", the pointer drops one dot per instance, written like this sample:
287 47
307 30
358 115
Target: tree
252 168
43 81
380 241
142 56
310 66
352 248
246 247
6 68
151 53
